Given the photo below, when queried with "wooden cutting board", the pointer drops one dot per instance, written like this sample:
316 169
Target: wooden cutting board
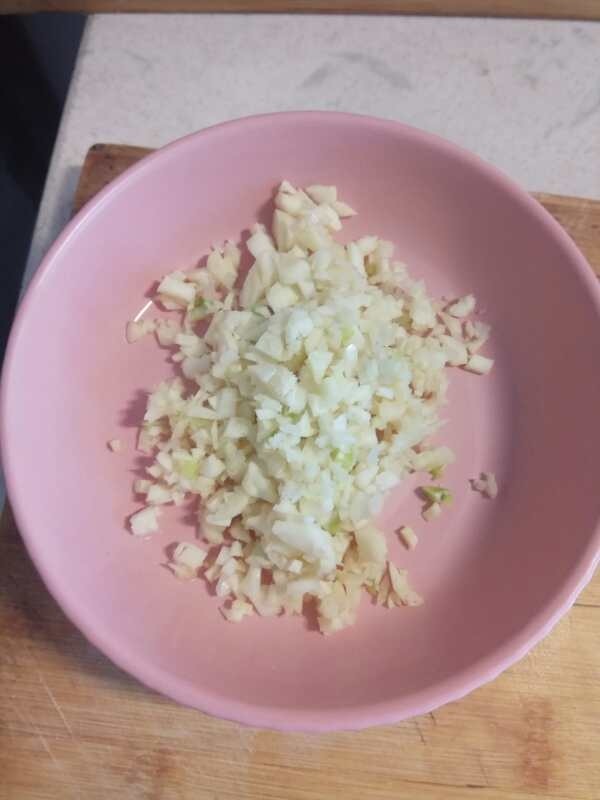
72 725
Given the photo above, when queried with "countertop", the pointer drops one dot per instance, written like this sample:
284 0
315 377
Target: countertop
524 94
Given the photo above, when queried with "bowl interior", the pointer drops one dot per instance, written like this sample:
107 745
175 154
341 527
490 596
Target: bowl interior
494 574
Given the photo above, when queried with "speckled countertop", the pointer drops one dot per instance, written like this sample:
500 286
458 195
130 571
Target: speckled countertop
524 94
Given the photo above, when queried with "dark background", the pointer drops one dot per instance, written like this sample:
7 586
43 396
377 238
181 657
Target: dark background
37 56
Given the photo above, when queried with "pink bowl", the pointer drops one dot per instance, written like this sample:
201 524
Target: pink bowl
496 575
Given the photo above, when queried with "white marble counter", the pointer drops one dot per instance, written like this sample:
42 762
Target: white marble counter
524 94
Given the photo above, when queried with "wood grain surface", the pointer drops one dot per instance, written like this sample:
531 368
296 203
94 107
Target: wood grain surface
74 726
552 9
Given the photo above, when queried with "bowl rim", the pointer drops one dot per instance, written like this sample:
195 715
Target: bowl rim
282 718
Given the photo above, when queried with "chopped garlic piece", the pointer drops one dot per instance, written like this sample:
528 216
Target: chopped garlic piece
322 194
453 326
174 288
431 512
486 484
186 560
145 521
158 495
138 329
479 364
166 332
343 209
462 307
238 610
436 494
457 353
383 590
115 445
401 588
408 536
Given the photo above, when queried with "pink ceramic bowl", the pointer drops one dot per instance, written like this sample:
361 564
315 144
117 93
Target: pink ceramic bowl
496 575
